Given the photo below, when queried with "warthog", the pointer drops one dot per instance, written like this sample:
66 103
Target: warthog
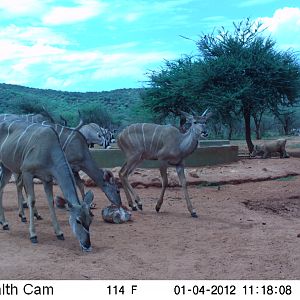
266 149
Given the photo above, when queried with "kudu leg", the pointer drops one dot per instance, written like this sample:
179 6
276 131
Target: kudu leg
163 172
48 187
21 200
5 175
122 173
182 179
79 184
125 171
29 186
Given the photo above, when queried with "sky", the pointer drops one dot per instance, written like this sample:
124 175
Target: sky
101 45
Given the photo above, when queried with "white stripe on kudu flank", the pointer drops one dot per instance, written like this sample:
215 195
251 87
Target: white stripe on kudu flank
129 136
20 137
61 131
153 138
144 136
7 135
158 139
28 141
69 138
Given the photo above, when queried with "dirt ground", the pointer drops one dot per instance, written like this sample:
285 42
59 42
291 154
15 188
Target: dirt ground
248 228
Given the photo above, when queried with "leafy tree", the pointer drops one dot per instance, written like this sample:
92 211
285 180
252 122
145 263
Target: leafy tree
93 113
246 66
23 106
171 89
237 74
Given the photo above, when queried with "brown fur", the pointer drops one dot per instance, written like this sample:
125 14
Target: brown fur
266 149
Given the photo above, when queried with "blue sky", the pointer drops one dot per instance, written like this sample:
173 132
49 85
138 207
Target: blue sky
96 45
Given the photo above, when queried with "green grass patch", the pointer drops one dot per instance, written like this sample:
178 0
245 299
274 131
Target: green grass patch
287 178
209 184
293 146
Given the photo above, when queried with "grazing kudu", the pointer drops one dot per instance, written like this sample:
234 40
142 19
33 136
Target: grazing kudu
80 158
34 151
164 143
94 134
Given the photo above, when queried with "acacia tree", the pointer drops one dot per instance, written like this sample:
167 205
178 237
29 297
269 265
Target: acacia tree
171 88
246 66
238 74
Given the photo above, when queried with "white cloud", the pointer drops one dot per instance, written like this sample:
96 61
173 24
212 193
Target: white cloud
249 3
131 17
32 35
22 7
128 64
85 10
284 27
27 57
24 46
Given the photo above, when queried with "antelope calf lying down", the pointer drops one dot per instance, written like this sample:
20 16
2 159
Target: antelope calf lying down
266 149
164 143
34 151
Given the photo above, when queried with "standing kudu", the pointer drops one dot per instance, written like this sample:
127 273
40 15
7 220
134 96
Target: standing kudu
34 151
164 143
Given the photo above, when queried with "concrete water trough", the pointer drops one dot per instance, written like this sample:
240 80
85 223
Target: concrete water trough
209 153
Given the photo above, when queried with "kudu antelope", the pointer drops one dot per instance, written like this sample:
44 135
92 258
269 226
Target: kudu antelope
164 143
94 134
79 157
34 151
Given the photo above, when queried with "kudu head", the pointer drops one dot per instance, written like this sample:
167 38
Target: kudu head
257 150
198 123
80 220
102 134
111 189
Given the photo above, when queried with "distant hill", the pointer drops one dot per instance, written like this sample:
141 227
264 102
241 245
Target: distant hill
121 104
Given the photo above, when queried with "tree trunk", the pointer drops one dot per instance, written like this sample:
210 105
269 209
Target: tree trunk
247 119
257 121
230 131
257 131
286 128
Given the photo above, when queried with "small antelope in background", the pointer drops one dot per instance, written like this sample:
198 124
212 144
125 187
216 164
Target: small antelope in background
267 148
164 143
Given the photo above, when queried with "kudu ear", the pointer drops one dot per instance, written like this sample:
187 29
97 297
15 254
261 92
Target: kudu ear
88 198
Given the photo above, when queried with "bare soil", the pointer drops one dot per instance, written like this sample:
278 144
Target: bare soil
248 228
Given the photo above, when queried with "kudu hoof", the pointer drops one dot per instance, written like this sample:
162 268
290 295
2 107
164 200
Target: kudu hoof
139 204
34 240
157 208
134 208
60 237
5 227
194 215
38 217
23 219
25 205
